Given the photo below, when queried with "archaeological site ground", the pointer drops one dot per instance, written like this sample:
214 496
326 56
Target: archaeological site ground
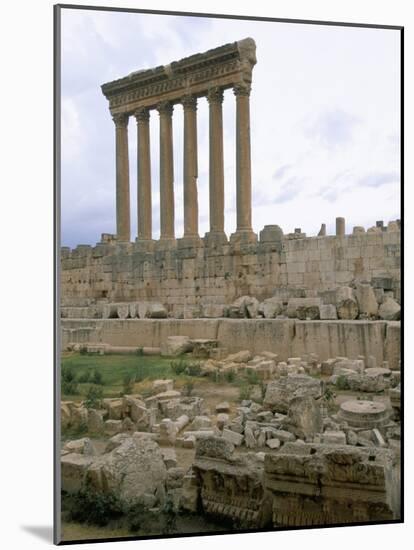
223 382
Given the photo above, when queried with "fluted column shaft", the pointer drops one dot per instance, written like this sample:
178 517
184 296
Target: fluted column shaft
144 176
165 110
190 167
243 159
123 222
216 166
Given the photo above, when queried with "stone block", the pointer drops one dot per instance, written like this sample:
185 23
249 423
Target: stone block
232 437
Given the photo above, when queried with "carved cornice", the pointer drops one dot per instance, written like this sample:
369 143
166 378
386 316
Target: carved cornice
215 95
189 102
121 120
142 115
224 66
165 108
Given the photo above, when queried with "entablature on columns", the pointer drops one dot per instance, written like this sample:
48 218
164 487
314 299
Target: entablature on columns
225 67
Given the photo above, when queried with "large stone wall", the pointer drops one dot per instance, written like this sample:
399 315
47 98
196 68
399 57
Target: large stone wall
286 337
182 277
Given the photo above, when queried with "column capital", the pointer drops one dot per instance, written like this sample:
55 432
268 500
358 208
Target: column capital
142 114
242 89
165 108
121 120
189 102
215 95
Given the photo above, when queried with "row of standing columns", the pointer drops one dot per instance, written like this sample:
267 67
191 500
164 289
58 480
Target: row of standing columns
190 169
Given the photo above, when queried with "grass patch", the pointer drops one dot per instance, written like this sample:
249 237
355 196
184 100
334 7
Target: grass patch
81 372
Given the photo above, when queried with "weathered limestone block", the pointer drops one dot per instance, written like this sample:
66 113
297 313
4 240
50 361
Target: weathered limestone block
327 312
231 486
113 427
133 469
244 307
174 408
200 423
65 415
202 347
240 357
233 437
346 304
367 302
389 310
79 417
157 311
162 385
270 308
331 437
95 421
279 393
303 308
123 311
114 408
304 417
73 471
211 311
80 446
176 345
315 484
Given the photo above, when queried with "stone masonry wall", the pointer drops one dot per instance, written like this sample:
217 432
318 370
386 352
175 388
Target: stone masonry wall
180 276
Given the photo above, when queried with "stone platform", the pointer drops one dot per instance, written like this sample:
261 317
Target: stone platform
286 337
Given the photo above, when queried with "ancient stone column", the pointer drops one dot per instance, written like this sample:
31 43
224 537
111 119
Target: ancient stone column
190 167
216 166
123 222
340 227
243 165
165 110
144 176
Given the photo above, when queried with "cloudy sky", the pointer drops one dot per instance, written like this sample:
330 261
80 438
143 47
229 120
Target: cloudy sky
325 107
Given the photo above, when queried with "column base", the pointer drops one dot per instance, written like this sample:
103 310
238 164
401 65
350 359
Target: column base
215 238
243 236
144 245
190 241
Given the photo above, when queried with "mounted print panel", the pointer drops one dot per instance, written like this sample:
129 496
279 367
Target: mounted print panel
229 274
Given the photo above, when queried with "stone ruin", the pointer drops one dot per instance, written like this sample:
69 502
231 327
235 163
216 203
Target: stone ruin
280 458
326 308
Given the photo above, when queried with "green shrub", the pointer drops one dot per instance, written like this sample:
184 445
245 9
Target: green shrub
178 366
188 388
68 375
69 388
88 506
94 397
342 382
83 350
252 377
97 377
84 378
230 376
193 369
128 384
244 391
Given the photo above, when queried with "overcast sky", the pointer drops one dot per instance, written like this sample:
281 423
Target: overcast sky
325 107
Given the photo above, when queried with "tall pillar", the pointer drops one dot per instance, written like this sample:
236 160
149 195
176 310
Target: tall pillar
244 230
190 167
123 222
144 176
216 166
165 110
